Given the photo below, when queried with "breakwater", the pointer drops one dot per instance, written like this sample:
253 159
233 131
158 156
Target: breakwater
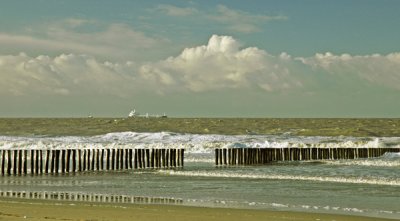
62 161
253 156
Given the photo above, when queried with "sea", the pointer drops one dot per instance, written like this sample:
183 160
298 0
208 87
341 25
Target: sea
364 187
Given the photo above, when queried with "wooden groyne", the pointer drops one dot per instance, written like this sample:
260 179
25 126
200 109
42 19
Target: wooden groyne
253 156
89 197
61 161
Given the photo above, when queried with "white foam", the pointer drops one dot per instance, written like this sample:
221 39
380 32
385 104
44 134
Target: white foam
193 143
367 163
221 174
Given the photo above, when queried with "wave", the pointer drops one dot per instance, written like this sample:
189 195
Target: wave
387 160
354 180
333 209
193 143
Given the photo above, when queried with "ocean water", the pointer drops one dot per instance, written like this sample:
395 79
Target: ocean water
367 187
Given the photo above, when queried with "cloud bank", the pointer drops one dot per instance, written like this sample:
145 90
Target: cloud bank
63 75
220 65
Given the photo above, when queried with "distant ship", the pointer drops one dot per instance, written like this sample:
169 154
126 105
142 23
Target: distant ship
133 113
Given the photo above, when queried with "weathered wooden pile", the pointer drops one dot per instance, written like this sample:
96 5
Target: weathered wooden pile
88 197
253 156
61 161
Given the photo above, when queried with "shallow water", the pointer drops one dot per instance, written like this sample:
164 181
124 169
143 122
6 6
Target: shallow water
369 187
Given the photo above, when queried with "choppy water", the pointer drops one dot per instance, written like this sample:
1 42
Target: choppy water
369 187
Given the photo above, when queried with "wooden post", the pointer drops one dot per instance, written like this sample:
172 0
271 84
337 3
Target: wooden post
63 161
121 159
93 158
130 158
178 153
126 159
140 159
117 160
216 157
74 160
113 160
224 156
143 158
159 158
14 159
230 156
182 157
167 158
163 157
84 161
175 156
171 157
152 158
41 161
3 161
38 161
102 159
20 162
53 160
32 158
135 163
79 160
108 159
57 161
97 159
46 167
233 156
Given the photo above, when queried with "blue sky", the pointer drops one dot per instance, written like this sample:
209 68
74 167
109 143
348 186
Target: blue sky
254 58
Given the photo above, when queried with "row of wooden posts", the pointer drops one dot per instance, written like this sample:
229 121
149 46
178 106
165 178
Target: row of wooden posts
19 162
89 197
253 156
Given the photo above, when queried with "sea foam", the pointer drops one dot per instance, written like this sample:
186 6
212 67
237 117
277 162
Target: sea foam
192 143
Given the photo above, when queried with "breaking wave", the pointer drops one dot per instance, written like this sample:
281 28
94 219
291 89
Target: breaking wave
387 160
192 143
219 174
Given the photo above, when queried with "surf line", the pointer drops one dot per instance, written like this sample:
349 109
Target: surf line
62 161
254 156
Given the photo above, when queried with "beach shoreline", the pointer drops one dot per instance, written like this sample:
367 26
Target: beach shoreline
40 210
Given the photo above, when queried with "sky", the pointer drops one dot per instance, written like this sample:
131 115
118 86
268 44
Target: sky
200 58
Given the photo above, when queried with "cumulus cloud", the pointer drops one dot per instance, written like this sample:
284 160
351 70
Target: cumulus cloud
219 65
66 74
376 69
222 64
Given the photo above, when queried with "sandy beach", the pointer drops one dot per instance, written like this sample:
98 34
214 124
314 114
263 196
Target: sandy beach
17 209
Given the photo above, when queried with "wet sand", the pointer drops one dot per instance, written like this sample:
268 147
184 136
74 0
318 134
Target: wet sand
17 209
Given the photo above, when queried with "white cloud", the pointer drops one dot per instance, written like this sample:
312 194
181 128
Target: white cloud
22 75
176 11
222 64
241 21
376 69
234 20
219 65
111 41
